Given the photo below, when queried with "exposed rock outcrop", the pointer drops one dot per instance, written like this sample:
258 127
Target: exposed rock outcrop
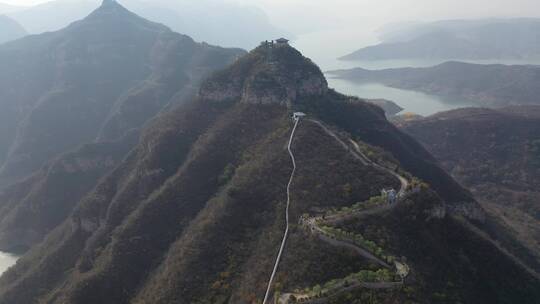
267 75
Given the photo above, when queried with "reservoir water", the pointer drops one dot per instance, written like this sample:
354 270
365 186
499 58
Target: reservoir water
326 46
410 101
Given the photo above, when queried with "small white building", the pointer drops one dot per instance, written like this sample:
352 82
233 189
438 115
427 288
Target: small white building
298 115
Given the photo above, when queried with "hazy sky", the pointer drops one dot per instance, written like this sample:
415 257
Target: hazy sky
352 11
346 25
391 9
304 14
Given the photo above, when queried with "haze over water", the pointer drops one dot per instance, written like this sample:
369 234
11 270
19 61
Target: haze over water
325 47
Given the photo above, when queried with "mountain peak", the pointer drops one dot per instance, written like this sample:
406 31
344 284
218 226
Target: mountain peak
274 72
111 16
109 2
111 6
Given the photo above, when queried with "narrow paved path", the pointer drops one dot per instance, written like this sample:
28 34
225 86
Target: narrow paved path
286 234
404 182
364 160
359 155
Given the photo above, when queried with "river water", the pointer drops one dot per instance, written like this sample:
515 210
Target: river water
326 46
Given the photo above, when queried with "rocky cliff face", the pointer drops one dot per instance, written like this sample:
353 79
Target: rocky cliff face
268 75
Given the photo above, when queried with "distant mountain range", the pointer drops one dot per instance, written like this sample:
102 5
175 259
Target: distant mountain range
213 21
457 39
10 29
496 154
97 81
491 85
53 15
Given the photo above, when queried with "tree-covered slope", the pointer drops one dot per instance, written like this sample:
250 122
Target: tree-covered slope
96 79
495 153
32 208
195 213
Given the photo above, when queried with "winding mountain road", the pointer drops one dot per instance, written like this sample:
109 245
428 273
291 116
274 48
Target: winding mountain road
314 223
338 243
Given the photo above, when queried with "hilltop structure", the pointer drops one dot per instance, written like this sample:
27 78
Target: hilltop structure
275 43
282 42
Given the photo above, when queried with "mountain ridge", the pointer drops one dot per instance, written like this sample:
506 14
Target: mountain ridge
457 39
501 169
181 16
10 29
90 88
122 57
196 189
